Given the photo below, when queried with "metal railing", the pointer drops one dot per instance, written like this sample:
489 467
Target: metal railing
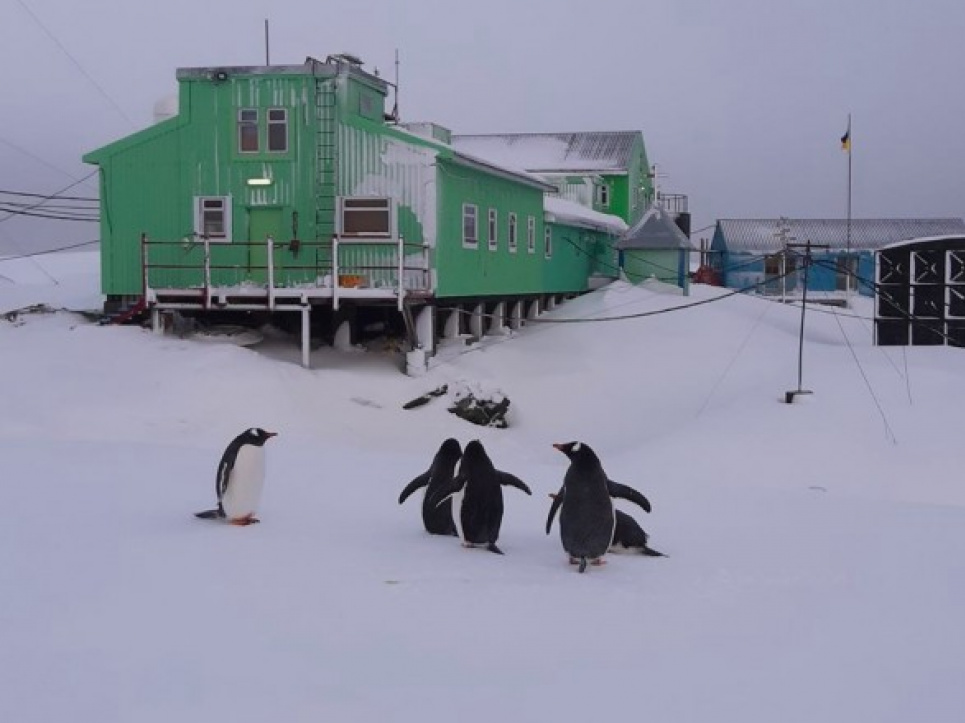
360 268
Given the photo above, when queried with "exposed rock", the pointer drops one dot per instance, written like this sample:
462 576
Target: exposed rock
426 398
486 412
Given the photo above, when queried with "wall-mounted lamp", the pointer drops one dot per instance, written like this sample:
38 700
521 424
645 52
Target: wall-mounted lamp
259 181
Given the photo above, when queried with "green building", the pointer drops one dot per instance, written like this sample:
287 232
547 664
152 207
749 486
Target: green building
290 188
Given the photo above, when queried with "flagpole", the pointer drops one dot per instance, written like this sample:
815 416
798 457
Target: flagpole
847 270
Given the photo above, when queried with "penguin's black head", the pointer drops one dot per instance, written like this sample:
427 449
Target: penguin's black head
474 452
577 451
451 448
257 436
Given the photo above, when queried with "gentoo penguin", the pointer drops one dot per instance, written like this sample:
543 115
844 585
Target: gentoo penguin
477 497
437 519
628 536
587 519
241 475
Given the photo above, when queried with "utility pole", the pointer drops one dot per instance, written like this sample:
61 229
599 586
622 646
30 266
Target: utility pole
789 396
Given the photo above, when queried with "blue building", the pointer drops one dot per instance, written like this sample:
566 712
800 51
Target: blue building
763 255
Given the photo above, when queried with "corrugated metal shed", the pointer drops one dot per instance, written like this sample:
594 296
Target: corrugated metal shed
867 234
655 230
595 152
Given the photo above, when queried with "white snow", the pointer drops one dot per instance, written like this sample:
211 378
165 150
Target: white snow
815 571
566 211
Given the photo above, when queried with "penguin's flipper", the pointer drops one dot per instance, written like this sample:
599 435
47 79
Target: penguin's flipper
511 480
492 548
627 493
441 495
421 481
210 515
557 501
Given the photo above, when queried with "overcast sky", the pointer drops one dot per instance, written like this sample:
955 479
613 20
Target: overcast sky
741 102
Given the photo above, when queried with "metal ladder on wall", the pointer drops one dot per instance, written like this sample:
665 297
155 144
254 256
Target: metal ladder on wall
325 159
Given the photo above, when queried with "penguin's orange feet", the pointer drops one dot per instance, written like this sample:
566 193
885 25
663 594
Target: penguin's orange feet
246 520
598 561
574 561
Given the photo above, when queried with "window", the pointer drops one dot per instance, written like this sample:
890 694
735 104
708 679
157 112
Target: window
365 216
493 229
547 242
512 232
470 237
603 195
248 130
531 235
212 218
277 130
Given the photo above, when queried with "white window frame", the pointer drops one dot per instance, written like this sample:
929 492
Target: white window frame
470 211
243 123
603 194
512 232
493 229
283 122
200 208
531 235
368 205
547 241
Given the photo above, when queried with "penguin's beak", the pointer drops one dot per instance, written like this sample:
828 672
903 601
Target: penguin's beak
271 434
559 447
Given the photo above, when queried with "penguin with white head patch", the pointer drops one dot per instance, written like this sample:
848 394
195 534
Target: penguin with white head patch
628 536
587 516
437 518
477 497
240 478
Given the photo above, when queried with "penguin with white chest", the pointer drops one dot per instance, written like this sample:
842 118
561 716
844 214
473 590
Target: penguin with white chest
477 497
437 518
240 478
587 516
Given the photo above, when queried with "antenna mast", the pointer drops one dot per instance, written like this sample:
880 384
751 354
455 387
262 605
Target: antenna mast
267 56
395 108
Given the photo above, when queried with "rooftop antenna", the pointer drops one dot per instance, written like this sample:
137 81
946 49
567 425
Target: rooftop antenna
267 56
395 107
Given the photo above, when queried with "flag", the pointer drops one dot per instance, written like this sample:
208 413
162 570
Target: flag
846 139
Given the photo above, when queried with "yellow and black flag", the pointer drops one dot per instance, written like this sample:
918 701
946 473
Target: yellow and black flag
846 138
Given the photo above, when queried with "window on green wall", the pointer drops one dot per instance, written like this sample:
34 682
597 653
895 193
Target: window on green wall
248 130
512 233
277 130
212 217
493 228
365 216
531 235
603 195
470 235
547 242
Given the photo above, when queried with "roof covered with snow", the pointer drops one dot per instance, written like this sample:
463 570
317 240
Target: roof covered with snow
597 152
867 234
655 230
569 212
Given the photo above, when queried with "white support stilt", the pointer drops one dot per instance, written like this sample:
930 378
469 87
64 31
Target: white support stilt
516 315
450 329
306 333
498 319
476 321
343 336
425 329
156 321
550 303
534 309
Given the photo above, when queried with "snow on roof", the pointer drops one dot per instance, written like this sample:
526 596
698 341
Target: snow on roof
597 152
867 234
655 230
570 212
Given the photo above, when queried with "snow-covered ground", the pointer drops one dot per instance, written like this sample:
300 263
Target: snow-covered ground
816 567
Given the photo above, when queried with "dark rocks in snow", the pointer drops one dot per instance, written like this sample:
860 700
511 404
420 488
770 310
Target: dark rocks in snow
486 412
426 398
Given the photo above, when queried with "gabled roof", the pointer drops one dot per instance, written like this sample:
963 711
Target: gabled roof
591 152
867 234
655 230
